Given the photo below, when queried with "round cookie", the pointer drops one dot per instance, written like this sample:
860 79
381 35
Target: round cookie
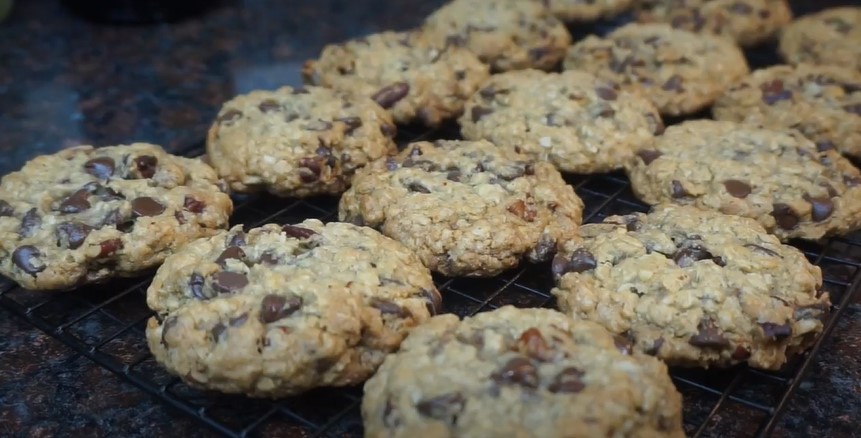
506 34
747 22
280 310
466 208
681 72
693 287
297 141
87 214
823 102
580 124
587 10
519 373
777 178
406 73
830 37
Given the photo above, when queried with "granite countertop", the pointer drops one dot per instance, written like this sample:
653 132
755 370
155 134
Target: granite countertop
64 81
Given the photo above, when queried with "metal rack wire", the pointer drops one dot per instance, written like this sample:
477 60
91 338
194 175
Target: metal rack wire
105 323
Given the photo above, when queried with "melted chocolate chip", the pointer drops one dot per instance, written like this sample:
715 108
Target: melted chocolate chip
569 380
417 188
478 113
648 155
75 203
821 207
239 321
228 282
708 336
623 344
27 259
444 408
388 96
195 285
277 307
229 116
146 206
72 234
518 370
100 167
269 106
776 332
351 124
736 188
784 216
29 223
193 205
387 307
298 232
231 252
688 254
606 93
217 330
146 165
110 247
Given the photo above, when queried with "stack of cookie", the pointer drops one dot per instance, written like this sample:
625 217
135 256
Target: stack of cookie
705 279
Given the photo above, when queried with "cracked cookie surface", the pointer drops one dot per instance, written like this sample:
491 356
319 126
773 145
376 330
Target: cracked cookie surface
581 124
297 141
587 10
679 71
466 208
779 179
280 310
823 102
693 287
829 37
87 214
405 72
505 34
747 22
519 372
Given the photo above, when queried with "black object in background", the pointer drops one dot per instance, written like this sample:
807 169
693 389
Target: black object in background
138 11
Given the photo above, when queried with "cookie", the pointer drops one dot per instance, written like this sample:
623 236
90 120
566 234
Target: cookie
830 37
279 310
823 102
297 141
519 373
415 79
466 208
506 34
587 10
681 72
779 179
693 287
83 215
580 124
747 22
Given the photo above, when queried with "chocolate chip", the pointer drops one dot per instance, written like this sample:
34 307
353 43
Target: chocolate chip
776 332
532 344
773 92
839 25
656 347
478 112
110 247
736 188
29 223
521 210
300 90
454 175
580 260
569 380
687 255
27 258
217 330
237 239
518 370
100 167
268 258
708 336
656 124
104 193
146 165
784 216
417 187
388 96
648 155
632 222
239 321
6 209
821 207
269 105
741 8
851 181
544 249
317 126
277 307
741 353
433 299
195 285
193 205
231 252
854 108
623 344
762 250
229 116
538 53
298 232
606 93
387 307
389 130
72 234
227 282
146 206
674 83
351 123
444 408
825 145
678 191
169 323
75 203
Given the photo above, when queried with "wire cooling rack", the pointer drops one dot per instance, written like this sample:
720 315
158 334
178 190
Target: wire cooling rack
106 323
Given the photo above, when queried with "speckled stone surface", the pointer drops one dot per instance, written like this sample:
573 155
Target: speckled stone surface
64 81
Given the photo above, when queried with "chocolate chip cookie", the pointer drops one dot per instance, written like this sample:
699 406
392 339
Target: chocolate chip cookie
747 22
580 123
467 208
519 373
778 178
680 71
587 10
297 141
506 34
408 74
823 102
830 37
280 310
693 287
83 214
